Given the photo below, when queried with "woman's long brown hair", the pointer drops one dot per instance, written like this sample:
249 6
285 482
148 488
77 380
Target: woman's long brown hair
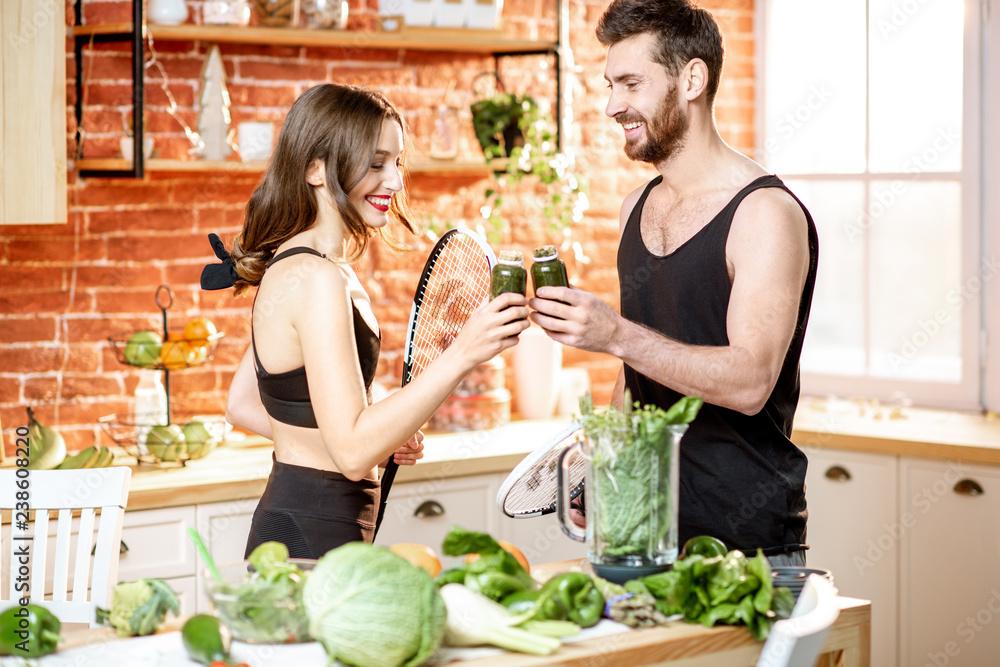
339 125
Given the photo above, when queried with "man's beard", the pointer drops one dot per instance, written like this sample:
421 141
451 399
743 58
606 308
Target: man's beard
664 132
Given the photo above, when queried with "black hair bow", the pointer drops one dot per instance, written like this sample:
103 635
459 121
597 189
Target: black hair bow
219 276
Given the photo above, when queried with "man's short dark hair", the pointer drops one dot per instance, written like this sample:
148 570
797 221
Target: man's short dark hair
682 30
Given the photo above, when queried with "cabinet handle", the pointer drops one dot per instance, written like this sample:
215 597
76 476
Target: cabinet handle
122 549
968 487
428 508
838 474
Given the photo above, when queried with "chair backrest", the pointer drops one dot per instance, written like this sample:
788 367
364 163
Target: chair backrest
54 496
797 641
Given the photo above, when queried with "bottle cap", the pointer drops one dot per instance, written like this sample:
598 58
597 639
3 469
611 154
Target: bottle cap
511 257
545 253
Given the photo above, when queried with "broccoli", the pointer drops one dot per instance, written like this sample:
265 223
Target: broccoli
139 607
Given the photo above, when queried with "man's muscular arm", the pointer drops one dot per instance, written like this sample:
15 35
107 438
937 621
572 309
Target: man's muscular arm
768 257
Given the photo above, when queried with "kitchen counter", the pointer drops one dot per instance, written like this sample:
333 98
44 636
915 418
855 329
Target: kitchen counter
239 469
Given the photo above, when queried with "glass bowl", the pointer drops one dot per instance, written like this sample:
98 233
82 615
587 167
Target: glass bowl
258 611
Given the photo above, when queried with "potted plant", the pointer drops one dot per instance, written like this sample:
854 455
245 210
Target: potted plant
513 126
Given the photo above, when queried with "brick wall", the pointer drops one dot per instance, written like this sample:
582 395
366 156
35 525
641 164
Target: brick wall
65 288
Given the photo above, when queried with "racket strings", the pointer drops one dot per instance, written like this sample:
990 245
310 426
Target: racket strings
458 282
537 489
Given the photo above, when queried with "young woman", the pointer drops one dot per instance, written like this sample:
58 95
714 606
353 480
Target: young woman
334 181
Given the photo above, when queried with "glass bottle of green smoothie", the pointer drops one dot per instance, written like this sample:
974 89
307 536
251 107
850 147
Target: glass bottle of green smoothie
548 269
509 275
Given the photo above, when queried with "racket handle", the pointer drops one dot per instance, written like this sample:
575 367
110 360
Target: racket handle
563 493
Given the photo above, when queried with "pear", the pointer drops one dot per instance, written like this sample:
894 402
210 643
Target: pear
46 447
85 458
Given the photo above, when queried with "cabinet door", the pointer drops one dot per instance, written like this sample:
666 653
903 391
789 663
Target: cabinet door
224 528
950 579
854 530
540 539
155 544
32 112
422 512
187 594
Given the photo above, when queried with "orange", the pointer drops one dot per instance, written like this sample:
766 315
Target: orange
420 555
509 548
177 354
199 330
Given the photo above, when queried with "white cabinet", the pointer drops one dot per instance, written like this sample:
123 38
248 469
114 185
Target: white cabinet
854 530
423 512
156 545
541 539
224 528
950 564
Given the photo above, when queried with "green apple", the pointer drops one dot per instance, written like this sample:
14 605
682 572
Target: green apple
143 348
164 441
195 433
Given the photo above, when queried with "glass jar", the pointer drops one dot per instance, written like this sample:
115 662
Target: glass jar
548 270
509 274
226 12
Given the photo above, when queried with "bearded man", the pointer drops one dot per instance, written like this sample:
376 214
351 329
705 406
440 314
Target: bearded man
716 263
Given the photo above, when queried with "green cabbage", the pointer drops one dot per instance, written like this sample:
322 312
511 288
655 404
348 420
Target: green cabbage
369 607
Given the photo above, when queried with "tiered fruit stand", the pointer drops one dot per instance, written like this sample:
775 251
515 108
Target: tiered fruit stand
172 352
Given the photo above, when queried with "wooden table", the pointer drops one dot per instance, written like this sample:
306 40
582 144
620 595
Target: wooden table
678 644
691 645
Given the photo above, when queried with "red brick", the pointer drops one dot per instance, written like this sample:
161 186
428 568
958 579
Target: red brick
90 412
32 329
110 94
189 274
101 222
193 380
41 388
54 250
82 358
279 71
35 302
120 192
372 77
16 278
89 386
244 95
183 93
340 54
117 275
233 52
10 390
98 329
105 12
148 248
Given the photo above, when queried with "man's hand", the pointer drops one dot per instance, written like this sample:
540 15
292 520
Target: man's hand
576 318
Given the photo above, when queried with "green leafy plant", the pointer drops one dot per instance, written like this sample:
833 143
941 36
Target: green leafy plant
514 126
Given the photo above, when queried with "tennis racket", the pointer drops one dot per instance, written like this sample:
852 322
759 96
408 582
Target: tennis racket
454 282
532 486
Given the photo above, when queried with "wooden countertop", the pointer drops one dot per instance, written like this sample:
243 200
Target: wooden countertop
239 469
867 426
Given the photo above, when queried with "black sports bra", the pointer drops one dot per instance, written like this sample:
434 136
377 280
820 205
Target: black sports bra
286 395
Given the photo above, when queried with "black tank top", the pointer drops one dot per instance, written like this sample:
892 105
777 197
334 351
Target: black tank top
742 479
285 395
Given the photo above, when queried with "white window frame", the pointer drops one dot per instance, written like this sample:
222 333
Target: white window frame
980 384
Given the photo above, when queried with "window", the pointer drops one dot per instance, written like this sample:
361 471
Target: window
870 112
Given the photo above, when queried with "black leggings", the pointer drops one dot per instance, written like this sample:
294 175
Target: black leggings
312 511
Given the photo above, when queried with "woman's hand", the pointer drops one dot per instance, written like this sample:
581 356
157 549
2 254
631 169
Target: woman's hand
493 327
411 452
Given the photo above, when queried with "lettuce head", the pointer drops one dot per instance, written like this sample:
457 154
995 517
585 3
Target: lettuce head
369 607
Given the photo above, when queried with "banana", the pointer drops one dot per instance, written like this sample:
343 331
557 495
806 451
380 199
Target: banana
85 458
46 447
106 458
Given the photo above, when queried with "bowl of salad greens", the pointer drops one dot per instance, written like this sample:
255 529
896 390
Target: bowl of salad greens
260 599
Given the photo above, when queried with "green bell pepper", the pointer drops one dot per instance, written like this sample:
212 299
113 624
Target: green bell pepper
28 631
572 596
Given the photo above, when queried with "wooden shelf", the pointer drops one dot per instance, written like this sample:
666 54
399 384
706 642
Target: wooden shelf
457 40
426 167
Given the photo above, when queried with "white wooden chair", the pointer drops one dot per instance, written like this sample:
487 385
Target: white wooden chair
53 497
797 641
